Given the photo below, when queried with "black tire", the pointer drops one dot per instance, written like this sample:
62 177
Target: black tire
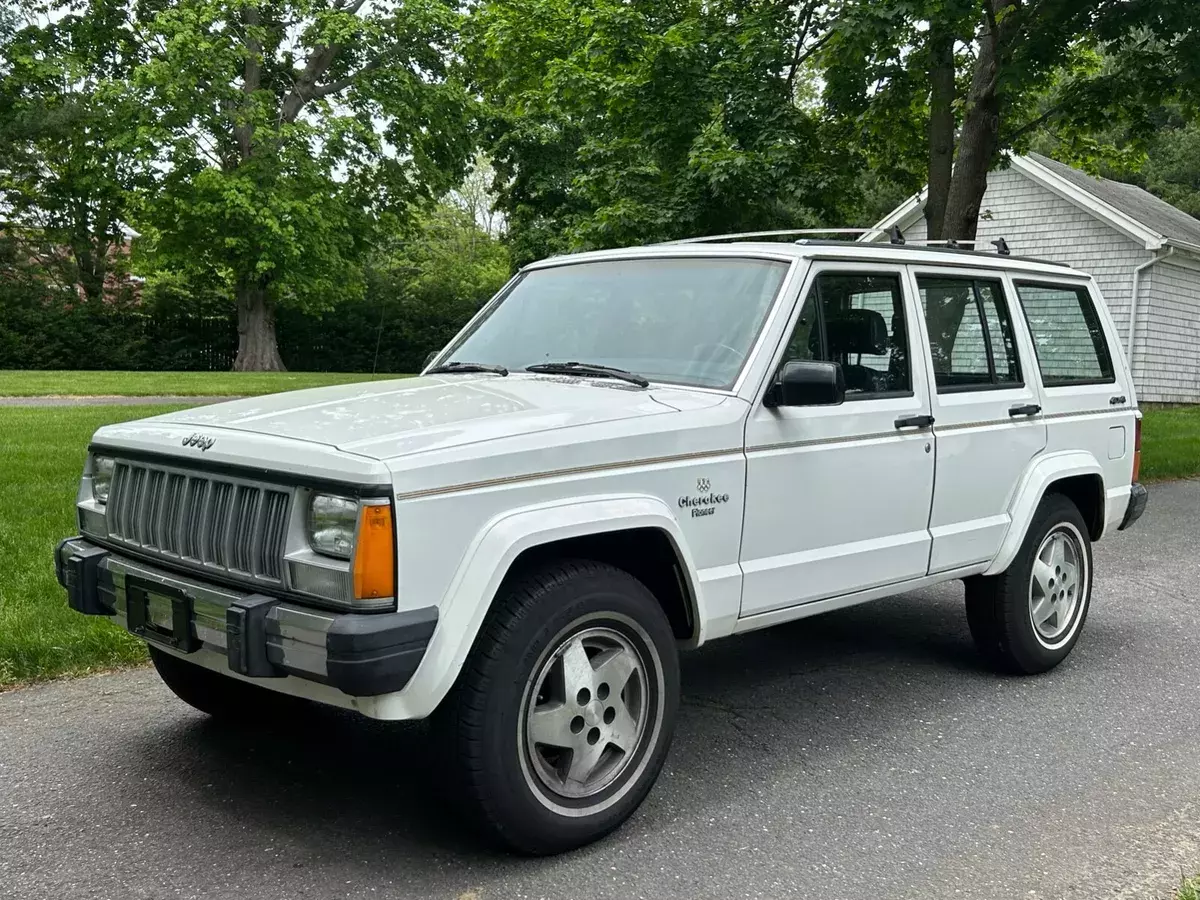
1000 608
221 696
500 769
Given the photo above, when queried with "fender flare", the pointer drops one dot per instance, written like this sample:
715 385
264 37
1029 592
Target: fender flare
1041 473
487 561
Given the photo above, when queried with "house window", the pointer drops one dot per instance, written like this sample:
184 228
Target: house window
970 334
1067 334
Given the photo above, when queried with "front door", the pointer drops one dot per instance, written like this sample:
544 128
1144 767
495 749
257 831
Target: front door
838 497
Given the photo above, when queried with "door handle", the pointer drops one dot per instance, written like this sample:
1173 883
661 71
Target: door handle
1117 401
914 421
1028 409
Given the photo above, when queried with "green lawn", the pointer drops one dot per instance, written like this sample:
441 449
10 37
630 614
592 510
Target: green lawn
41 457
1189 889
27 383
1170 443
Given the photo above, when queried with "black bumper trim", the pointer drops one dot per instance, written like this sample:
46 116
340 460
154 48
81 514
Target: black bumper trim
1138 495
366 654
377 654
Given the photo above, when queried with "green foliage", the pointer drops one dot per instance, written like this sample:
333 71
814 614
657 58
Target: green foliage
72 149
613 122
297 134
417 293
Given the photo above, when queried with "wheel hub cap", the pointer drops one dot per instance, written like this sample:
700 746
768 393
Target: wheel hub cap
1057 584
587 714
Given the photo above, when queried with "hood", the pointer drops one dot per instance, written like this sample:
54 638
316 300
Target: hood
385 419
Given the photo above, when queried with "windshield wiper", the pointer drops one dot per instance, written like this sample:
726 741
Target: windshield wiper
455 367
592 369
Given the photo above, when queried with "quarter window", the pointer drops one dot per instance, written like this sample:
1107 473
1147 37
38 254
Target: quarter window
970 333
856 320
1067 334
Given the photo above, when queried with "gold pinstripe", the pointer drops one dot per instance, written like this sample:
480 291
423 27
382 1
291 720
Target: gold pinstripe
560 473
708 454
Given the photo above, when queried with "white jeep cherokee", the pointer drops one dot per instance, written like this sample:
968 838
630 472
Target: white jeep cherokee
624 453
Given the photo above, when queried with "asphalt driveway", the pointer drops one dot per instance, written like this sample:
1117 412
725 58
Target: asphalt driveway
863 754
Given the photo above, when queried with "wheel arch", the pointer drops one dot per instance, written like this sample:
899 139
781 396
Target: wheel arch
1076 474
599 528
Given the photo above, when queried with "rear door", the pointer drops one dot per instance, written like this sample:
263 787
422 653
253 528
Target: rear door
986 407
1088 401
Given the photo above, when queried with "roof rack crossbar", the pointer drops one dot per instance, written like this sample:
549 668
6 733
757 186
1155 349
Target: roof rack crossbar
742 235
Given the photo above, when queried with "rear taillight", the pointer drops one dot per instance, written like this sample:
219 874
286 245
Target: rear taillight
1137 448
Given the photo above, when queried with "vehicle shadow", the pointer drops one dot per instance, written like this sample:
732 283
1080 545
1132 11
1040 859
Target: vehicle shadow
337 784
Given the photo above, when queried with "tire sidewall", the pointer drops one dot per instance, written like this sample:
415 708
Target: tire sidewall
1055 510
609 598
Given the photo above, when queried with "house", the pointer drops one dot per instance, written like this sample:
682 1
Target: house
1137 247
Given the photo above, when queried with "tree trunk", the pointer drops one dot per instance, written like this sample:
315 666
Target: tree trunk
258 350
979 141
941 127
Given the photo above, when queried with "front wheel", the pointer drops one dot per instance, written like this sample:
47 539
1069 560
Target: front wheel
1027 619
562 718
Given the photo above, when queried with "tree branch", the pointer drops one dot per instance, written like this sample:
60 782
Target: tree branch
324 90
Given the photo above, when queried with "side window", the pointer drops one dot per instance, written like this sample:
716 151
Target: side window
1067 334
970 333
856 320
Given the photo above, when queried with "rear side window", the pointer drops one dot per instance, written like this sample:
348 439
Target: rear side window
1067 334
970 333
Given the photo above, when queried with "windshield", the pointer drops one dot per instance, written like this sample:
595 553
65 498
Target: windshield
686 321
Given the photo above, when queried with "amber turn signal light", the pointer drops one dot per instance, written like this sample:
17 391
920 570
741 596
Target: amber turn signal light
375 554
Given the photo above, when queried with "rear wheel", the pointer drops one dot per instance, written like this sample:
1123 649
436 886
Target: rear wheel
210 692
562 718
1028 618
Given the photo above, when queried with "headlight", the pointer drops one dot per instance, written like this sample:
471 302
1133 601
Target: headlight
331 523
102 473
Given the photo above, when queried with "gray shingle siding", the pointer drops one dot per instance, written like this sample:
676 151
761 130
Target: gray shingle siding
1037 222
1167 350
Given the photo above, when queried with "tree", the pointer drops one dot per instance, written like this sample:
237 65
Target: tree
72 157
967 69
621 121
294 136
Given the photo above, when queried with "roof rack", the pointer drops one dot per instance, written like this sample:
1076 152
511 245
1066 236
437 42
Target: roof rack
895 239
747 235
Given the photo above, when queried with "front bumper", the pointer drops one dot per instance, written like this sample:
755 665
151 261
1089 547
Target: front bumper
261 637
1137 506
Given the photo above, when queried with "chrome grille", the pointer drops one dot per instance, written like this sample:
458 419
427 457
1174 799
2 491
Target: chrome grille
234 525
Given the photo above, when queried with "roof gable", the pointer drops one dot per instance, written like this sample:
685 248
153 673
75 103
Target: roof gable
1136 213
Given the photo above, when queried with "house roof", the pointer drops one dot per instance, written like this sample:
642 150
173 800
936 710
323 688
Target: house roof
1136 213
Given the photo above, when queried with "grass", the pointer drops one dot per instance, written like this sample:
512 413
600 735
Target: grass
1189 889
32 383
41 456
1170 443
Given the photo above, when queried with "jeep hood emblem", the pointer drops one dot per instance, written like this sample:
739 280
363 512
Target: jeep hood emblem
202 441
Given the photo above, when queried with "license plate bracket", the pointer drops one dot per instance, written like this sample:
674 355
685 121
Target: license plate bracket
160 614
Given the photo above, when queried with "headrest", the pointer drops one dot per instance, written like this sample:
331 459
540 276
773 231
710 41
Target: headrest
857 331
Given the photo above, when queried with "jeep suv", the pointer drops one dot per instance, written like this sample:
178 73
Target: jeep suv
625 453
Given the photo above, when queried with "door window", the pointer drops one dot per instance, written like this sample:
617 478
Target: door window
1067 334
970 334
856 320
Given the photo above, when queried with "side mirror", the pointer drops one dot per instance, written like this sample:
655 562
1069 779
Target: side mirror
807 383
